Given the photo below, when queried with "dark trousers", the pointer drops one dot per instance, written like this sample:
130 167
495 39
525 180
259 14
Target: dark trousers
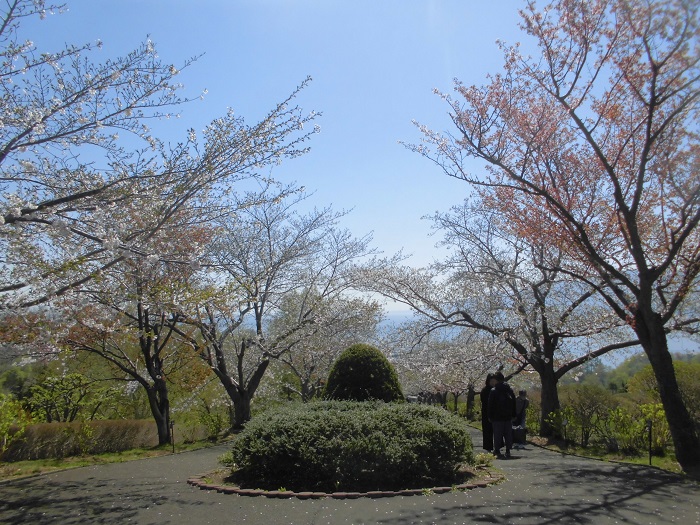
502 431
487 433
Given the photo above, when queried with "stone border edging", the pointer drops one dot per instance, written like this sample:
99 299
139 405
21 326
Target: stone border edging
199 482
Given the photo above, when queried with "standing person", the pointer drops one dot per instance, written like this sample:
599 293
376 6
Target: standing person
519 426
501 410
486 426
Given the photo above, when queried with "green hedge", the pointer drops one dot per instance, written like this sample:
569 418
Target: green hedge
60 440
345 445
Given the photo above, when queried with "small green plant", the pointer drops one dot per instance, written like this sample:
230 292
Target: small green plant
427 492
85 438
483 459
585 407
214 420
226 459
68 398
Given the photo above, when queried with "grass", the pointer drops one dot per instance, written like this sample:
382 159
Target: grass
20 469
667 463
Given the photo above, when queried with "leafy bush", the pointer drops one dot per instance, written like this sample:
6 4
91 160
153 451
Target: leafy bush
563 423
688 376
594 416
361 373
534 412
64 398
203 422
13 421
189 426
331 445
621 431
660 433
587 405
214 420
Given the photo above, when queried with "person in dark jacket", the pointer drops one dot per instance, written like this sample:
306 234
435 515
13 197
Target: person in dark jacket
501 411
486 426
519 423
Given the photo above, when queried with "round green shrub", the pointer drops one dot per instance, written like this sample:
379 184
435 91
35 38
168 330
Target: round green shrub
346 445
362 373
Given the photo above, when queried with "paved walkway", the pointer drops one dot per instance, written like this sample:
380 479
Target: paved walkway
543 487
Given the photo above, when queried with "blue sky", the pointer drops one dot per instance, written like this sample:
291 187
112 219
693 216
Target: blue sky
374 64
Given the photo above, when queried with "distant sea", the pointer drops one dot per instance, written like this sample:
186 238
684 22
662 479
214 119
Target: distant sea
676 344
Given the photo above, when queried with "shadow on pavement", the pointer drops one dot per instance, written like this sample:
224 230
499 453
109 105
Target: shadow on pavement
595 493
27 501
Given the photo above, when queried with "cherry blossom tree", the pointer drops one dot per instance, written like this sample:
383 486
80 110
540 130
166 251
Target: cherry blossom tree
496 282
128 317
68 179
54 106
262 256
29 335
442 361
339 323
594 140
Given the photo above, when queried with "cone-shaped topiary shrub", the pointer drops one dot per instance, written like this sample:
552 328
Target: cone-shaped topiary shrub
362 373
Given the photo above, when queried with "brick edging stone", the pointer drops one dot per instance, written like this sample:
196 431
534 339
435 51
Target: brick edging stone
199 481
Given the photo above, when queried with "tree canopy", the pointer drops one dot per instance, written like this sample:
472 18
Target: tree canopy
593 141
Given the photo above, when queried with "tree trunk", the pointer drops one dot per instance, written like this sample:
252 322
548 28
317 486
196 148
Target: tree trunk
241 409
241 399
308 391
240 395
652 337
238 413
442 399
550 399
160 409
471 396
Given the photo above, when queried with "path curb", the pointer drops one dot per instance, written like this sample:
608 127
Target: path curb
201 483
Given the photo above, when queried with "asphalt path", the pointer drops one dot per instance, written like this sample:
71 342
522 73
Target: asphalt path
542 487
